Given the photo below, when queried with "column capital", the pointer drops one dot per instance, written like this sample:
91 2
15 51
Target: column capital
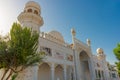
52 66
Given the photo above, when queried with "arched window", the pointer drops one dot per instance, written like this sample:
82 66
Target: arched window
29 10
96 74
36 12
98 65
70 58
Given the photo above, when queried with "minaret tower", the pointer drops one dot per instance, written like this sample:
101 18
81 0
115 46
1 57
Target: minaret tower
30 17
100 54
88 42
73 36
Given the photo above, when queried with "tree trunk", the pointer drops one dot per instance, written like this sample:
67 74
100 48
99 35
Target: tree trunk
4 74
11 72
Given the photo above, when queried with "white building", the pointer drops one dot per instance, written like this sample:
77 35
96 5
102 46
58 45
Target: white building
63 61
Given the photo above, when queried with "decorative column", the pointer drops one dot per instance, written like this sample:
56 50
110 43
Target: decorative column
74 56
52 71
91 68
35 72
65 71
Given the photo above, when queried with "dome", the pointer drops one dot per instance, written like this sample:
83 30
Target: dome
99 51
57 35
32 4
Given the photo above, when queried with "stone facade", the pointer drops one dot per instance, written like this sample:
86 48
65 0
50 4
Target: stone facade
63 61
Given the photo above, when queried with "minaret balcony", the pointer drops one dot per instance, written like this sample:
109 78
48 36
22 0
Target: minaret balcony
30 17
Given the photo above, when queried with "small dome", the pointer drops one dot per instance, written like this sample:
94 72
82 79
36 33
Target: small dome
99 51
32 4
57 35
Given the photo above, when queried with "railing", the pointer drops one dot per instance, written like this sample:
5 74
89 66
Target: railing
54 39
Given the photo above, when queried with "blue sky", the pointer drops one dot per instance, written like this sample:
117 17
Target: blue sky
98 20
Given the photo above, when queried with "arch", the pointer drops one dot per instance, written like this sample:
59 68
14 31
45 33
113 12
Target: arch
59 73
70 57
84 65
29 10
83 55
44 72
35 12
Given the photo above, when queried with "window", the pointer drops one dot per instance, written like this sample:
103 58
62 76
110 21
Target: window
98 65
36 12
103 74
99 74
113 75
46 50
70 58
29 10
96 73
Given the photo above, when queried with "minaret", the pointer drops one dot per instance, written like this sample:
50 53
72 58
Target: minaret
100 54
88 42
30 17
74 55
73 37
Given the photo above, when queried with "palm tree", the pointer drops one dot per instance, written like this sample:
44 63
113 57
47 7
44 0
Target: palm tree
20 50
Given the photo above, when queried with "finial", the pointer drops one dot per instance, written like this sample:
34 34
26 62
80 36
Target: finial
88 42
73 32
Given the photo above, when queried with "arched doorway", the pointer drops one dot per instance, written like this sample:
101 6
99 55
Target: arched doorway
59 73
84 65
44 72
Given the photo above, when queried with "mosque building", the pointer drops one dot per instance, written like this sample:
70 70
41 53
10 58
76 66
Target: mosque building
63 61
